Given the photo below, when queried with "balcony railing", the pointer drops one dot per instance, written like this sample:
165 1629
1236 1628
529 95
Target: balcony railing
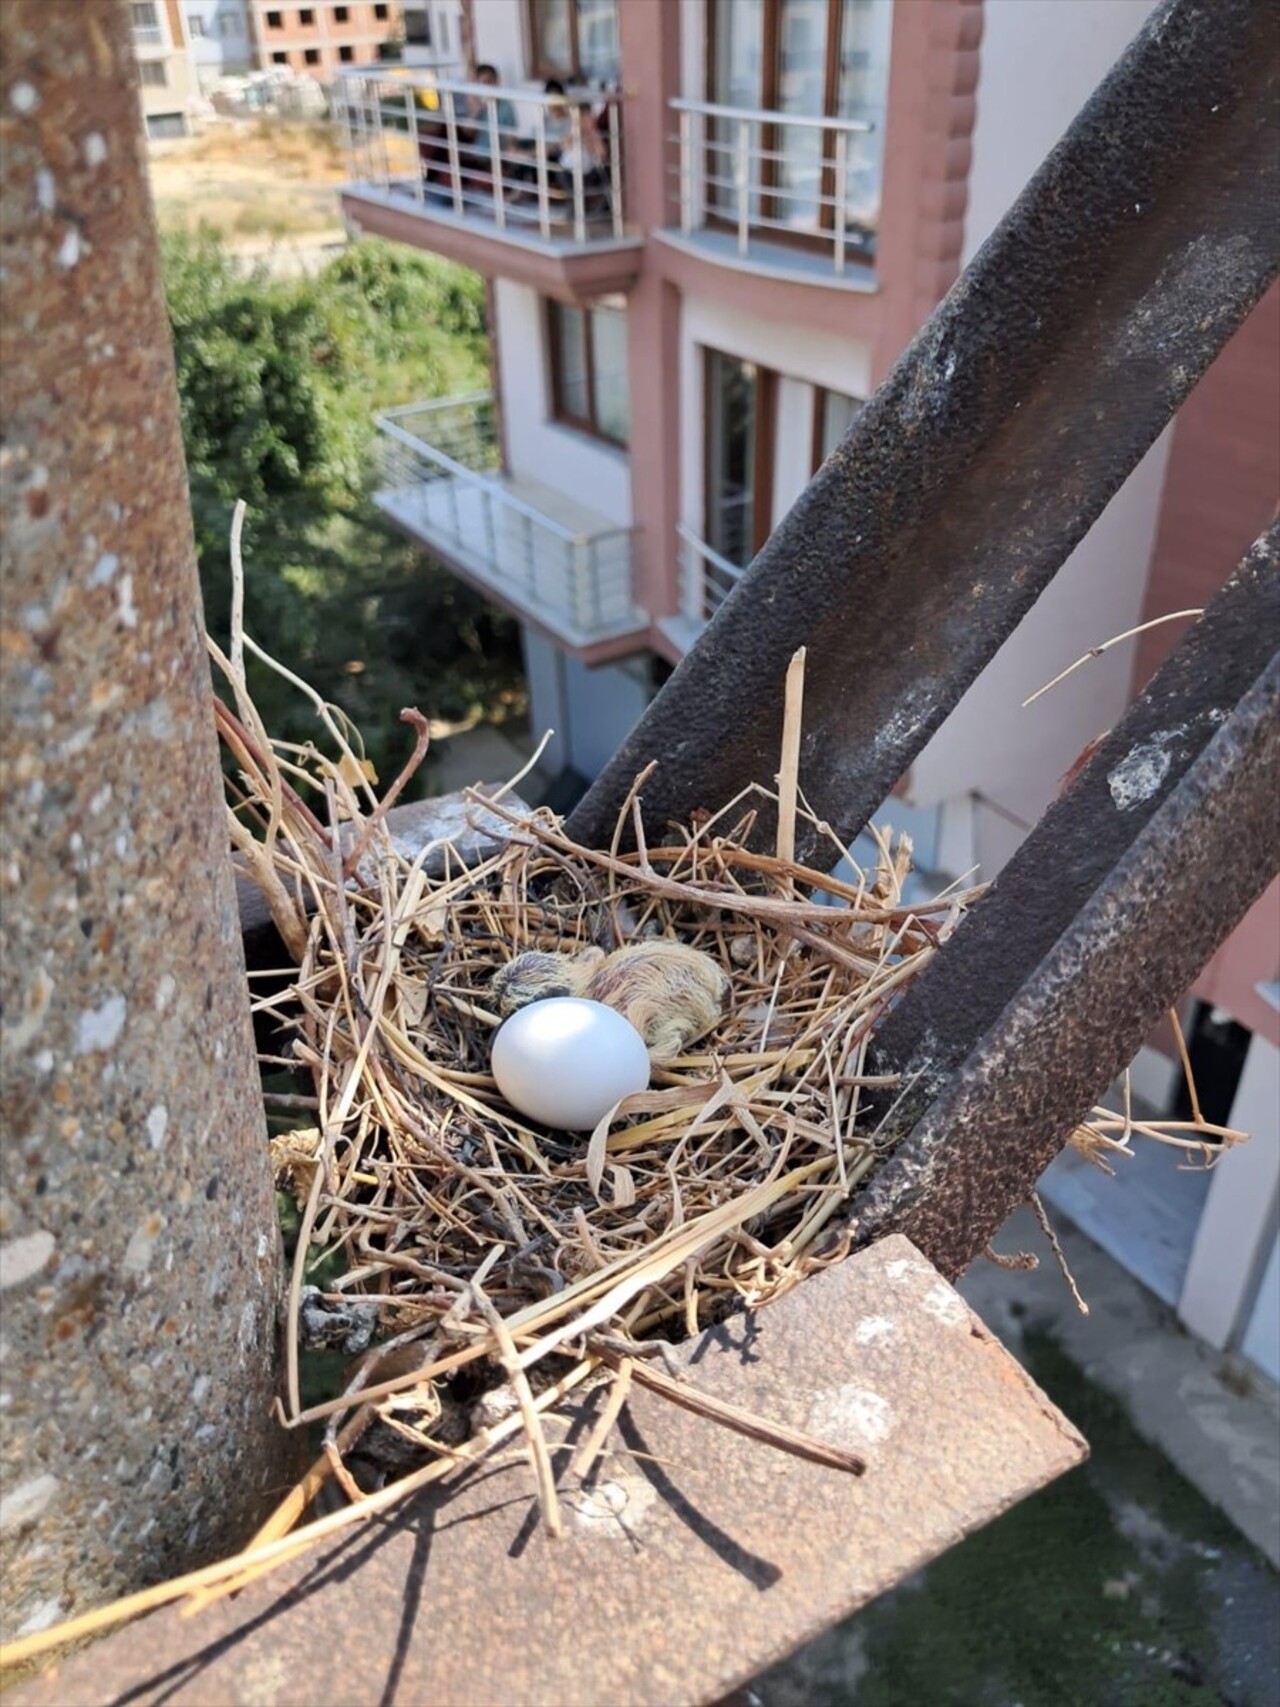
706 578
757 179
520 161
537 550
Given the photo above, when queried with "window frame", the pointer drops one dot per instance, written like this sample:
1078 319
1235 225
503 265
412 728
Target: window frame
770 140
543 69
311 56
346 53
820 395
763 449
342 14
275 20
381 14
147 78
560 413
306 17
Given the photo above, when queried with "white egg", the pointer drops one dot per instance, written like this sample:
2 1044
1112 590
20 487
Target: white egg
565 1061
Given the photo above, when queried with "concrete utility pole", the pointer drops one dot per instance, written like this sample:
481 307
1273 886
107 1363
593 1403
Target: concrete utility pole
138 1246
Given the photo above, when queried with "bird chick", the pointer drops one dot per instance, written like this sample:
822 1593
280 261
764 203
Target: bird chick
669 992
533 976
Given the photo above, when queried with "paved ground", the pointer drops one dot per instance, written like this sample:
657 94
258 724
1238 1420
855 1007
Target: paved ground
1120 1586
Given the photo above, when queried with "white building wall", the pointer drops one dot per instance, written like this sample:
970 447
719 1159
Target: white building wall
591 711
1236 1234
1041 59
499 37
537 446
1014 757
218 40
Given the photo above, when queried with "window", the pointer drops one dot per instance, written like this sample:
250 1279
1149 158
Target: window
574 39
279 59
195 26
275 20
163 127
380 13
306 17
417 26
144 16
341 15
739 456
588 357
833 415
311 55
810 59
229 25
346 53
152 74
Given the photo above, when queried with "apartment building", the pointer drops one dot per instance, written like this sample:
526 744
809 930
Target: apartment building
701 259
166 81
218 38
321 38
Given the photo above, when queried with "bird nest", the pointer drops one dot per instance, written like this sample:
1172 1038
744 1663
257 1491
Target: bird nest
490 1263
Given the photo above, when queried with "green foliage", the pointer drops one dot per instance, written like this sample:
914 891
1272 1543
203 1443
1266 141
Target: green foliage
279 381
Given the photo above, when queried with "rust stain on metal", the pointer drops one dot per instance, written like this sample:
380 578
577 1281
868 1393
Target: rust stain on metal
692 1559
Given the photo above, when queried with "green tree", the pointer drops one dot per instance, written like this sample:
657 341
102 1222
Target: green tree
278 382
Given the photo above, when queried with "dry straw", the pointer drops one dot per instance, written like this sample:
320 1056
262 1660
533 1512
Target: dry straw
507 1260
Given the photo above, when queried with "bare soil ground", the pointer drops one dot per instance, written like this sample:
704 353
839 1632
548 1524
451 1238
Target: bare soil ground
251 178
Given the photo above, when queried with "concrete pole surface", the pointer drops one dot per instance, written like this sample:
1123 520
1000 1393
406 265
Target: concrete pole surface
138 1247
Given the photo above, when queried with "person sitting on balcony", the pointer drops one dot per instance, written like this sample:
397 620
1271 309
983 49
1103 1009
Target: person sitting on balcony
475 130
588 154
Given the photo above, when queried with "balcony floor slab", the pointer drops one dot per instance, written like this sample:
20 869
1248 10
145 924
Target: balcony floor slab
521 567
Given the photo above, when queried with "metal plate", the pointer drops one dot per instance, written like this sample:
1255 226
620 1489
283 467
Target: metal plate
698 1557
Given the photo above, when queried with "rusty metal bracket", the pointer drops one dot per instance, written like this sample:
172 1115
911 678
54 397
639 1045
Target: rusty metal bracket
1100 921
1002 432
691 1561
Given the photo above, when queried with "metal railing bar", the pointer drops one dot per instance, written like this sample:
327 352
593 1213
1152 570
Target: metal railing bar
758 115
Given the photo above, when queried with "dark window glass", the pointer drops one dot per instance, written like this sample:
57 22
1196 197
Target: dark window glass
589 368
732 431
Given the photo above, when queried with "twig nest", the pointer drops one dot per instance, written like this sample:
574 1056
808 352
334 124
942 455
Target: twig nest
565 1062
669 992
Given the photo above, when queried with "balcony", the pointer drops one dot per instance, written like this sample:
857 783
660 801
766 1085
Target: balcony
504 180
777 193
706 580
541 555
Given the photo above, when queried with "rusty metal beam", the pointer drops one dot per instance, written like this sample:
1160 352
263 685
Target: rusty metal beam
693 1559
1098 924
1017 412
